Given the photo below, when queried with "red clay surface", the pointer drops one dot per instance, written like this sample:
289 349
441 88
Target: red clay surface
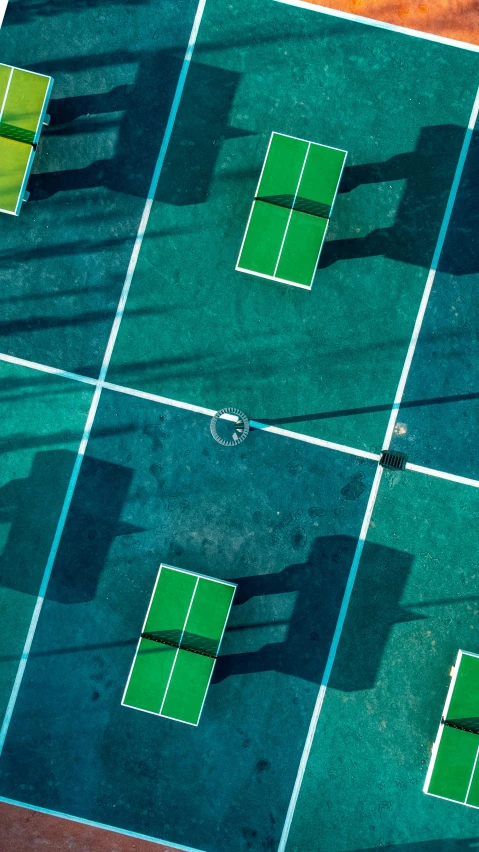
457 19
22 830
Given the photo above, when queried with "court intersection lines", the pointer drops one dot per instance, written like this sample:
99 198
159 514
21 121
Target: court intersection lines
386 445
104 384
103 372
209 412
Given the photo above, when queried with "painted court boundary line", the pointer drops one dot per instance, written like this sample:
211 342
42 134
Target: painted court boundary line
103 372
383 25
209 412
432 272
100 825
3 8
377 479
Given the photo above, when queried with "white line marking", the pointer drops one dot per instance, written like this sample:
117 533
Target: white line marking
6 93
384 25
440 474
188 406
432 272
178 648
329 663
48 569
3 7
375 486
209 412
217 654
139 643
437 741
103 372
25 70
472 777
44 368
272 277
292 208
151 192
201 576
99 825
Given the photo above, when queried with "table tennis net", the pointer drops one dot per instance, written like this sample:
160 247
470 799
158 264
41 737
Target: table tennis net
470 724
297 202
11 131
185 640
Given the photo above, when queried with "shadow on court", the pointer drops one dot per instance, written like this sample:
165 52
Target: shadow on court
28 10
319 585
428 172
190 166
460 255
88 533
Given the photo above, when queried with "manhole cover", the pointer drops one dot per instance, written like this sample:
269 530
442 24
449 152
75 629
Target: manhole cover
229 427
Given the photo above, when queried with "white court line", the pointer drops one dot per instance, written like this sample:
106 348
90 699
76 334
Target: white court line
329 663
471 778
275 430
178 651
112 828
200 576
291 211
6 93
3 7
383 25
432 272
103 372
440 474
139 643
44 368
209 412
437 741
375 487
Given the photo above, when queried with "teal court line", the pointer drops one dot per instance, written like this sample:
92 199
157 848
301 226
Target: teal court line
100 825
383 25
101 383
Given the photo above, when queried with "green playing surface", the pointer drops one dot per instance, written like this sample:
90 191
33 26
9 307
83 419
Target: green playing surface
15 160
22 100
186 611
453 770
282 240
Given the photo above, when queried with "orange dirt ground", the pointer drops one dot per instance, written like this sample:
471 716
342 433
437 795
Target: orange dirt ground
22 830
457 19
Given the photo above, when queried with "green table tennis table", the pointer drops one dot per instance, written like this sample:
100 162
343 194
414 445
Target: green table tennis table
24 97
179 644
292 206
453 772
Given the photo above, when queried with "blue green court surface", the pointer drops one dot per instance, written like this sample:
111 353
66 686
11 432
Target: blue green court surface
179 643
239 649
452 772
290 214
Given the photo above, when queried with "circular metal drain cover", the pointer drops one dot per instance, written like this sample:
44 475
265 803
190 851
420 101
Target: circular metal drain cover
229 427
